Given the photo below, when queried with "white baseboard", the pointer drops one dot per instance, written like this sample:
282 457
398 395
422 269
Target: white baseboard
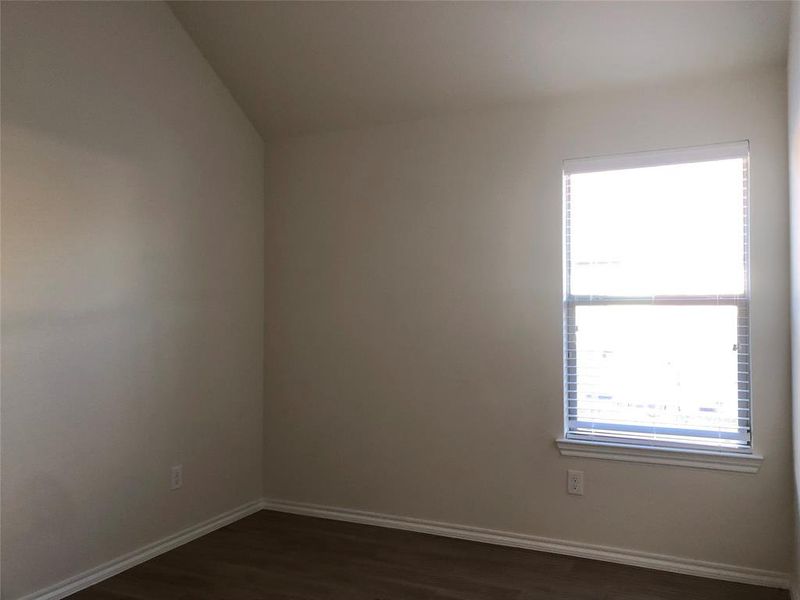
674 564
87 578
502 538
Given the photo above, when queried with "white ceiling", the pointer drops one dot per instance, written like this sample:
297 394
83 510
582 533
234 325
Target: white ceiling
297 67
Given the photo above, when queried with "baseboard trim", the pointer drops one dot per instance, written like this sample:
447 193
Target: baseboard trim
659 562
647 560
92 576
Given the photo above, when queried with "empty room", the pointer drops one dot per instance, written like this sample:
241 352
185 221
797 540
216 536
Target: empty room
386 300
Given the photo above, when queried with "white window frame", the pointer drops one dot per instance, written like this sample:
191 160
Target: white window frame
577 442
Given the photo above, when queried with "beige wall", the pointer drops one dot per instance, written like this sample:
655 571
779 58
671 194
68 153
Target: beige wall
794 183
413 347
132 300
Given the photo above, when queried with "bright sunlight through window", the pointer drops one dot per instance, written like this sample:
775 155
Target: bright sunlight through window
656 327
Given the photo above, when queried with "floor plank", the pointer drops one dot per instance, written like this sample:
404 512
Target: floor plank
275 556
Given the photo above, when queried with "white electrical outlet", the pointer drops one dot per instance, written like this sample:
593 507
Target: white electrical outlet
575 482
176 477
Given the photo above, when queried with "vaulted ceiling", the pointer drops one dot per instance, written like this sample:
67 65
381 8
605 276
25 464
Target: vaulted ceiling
299 67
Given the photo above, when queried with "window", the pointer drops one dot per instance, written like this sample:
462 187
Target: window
656 302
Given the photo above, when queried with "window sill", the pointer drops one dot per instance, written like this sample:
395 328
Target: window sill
697 459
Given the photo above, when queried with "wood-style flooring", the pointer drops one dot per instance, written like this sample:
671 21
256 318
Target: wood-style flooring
274 556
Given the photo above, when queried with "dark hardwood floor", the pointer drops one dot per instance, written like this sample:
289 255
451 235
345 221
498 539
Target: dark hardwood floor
273 556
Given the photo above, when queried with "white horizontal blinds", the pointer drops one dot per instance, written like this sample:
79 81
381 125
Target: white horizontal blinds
656 328
657 158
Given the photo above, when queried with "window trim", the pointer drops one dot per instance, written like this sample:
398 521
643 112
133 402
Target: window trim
740 462
741 458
